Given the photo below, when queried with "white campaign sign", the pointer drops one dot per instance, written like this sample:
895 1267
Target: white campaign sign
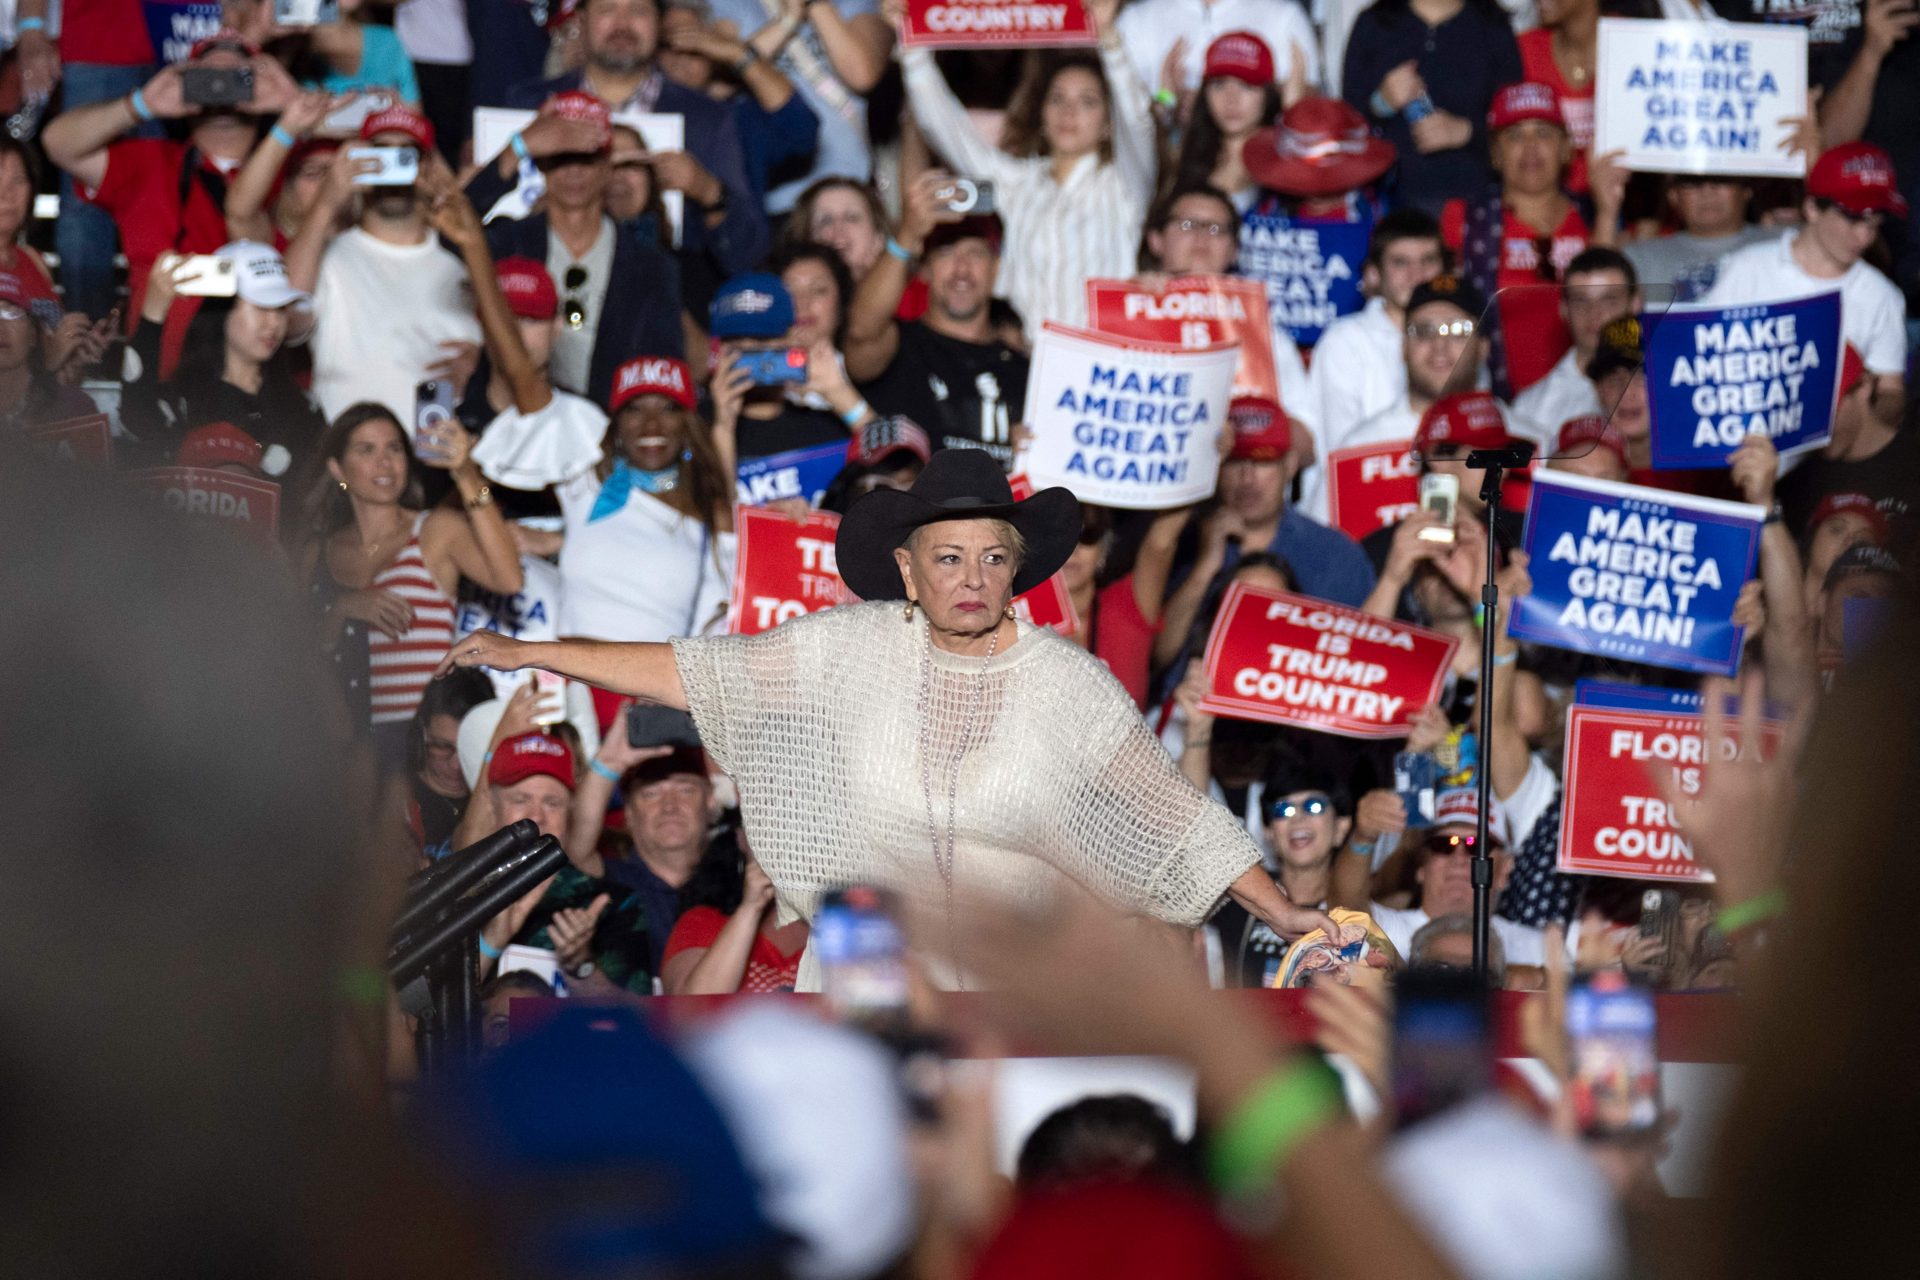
1686 97
494 127
1126 423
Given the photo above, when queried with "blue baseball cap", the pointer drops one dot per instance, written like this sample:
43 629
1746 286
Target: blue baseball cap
755 305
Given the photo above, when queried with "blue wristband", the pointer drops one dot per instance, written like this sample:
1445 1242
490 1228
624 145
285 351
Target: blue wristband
899 251
856 415
600 767
1380 106
141 110
490 952
519 145
29 24
280 135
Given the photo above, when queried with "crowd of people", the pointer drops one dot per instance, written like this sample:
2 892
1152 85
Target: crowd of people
509 303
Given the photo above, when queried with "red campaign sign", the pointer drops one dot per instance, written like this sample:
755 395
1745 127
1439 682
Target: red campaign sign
1614 817
1195 312
1295 660
972 24
782 569
1047 605
88 439
1372 487
251 504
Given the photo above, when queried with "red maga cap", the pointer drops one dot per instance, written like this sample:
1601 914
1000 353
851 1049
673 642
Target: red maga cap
520 758
1528 100
1578 435
399 118
529 288
1260 429
218 444
886 436
578 104
652 376
1859 177
1856 504
1242 56
1471 419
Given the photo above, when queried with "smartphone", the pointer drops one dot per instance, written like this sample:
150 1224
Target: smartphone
651 725
305 13
433 403
345 120
399 166
1439 496
1442 1042
205 275
1612 1025
966 196
216 86
863 957
1657 908
1416 780
550 702
776 367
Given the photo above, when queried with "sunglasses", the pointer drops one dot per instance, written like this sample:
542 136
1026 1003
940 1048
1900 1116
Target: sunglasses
1312 807
1446 846
1427 331
575 307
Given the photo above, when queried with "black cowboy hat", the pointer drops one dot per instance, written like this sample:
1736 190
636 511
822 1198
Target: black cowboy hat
958 484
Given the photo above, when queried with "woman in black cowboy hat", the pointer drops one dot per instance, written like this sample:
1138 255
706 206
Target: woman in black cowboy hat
925 739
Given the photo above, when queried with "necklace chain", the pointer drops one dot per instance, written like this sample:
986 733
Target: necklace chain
943 858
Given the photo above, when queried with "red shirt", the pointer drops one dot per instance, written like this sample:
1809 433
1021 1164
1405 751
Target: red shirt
1576 105
109 33
769 969
141 190
1123 638
1530 322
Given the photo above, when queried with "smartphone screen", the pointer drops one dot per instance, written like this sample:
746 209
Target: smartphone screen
1442 1042
1616 1058
550 707
775 368
1439 495
651 725
863 957
1416 779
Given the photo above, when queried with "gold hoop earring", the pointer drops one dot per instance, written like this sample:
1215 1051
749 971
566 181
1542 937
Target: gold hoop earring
343 486
906 610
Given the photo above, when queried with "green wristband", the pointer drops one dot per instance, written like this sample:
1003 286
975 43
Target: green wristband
1260 1135
1753 911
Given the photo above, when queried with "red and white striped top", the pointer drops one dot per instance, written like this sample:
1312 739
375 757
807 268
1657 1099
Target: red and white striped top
401 668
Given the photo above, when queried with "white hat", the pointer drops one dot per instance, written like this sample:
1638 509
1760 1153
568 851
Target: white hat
818 1115
261 275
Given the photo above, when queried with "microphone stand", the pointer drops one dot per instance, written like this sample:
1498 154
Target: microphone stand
1493 465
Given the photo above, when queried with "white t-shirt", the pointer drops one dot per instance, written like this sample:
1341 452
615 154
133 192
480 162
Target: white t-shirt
1148 28
1543 408
381 312
1296 393
1873 315
1396 422
1359 370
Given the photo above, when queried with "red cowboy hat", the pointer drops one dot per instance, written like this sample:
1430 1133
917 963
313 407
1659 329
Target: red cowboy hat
1319 147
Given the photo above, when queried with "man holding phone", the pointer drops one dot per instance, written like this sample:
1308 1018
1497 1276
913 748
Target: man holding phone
163 194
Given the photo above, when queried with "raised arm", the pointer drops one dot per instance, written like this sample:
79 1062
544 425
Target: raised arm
944 121
1128 104
645 670
454 217
1786 646
873 335
247 193
857 47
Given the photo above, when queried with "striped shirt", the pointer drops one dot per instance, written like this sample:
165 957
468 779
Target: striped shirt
401 668
1058 234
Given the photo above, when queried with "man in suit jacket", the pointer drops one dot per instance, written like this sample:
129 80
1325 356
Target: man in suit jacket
725 224
619 291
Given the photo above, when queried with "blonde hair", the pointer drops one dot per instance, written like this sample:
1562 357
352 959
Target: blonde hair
1010 537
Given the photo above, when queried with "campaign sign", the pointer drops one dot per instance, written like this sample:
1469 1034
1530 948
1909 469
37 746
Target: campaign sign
1686 97
783 568
88 439
1609 695
1295 660
1615 819
1311 269
1124 422
1194 312
1047 605
1716 375
1635 573
1371 487
974 24
176 28
798 473
244 502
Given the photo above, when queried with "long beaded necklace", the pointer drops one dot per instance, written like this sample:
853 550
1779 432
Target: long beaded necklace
943 858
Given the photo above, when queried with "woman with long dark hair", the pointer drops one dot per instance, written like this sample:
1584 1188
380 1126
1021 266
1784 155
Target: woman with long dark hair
1072 176
844 215
1237 99
386 571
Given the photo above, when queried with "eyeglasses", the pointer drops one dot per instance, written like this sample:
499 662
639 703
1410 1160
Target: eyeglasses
1543 258
1208 229
1428 330
575 307
1312 807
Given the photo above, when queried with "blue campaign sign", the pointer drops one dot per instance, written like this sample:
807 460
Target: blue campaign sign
176 28
798 473
1607 695
1640 574
1311 269
1716 375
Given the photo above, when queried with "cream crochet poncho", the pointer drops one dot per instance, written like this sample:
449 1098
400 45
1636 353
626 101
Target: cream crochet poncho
822 723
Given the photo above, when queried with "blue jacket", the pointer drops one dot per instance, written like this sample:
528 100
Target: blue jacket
742 238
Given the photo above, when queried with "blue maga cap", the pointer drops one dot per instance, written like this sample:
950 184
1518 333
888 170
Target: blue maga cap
756 305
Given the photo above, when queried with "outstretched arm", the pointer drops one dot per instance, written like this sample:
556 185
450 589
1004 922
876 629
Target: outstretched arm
645 671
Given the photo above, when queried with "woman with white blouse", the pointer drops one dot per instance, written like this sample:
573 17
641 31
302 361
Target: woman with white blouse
1072 178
